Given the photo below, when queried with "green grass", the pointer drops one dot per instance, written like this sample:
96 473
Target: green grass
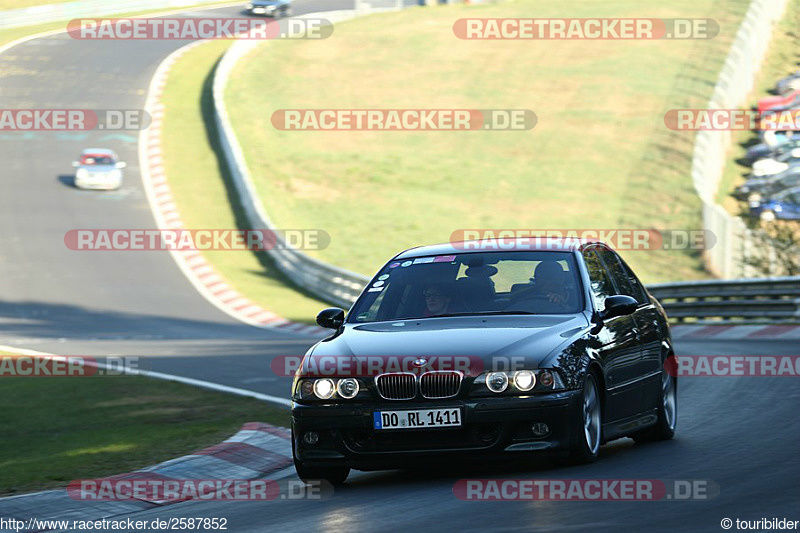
202 189
783 57
56 430
600 156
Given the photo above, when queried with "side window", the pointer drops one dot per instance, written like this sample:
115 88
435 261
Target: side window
601 286
623 277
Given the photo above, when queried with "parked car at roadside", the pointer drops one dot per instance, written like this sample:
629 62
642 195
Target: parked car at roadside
779 103
775 165
781 142
788 84
756 188
784 205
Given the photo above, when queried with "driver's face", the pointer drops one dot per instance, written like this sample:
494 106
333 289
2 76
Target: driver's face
548 282
436 301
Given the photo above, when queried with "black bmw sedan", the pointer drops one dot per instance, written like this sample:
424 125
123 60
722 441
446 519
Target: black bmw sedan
485 348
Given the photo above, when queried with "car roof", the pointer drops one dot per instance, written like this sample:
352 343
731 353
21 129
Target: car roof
532 244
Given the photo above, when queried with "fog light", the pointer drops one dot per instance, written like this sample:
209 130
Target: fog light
540 429
323 388
524 380
311 438
497 381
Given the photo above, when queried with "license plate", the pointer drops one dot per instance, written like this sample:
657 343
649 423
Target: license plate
419 418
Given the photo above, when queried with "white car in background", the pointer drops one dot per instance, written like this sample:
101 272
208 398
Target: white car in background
773 165
98 168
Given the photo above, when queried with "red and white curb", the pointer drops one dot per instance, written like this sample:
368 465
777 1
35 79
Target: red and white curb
257 451
194 266
734 332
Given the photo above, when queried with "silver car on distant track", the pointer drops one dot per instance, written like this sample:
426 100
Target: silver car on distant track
98 168
270 8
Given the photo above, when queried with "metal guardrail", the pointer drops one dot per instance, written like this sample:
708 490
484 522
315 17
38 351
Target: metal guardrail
43 14
773 299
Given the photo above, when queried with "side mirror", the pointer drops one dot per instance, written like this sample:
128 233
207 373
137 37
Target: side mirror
76 164
619 305
122 164
331 318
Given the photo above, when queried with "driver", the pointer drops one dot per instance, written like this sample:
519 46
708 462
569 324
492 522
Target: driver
437 300
549 283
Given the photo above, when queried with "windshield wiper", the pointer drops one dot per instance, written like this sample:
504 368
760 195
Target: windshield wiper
483 313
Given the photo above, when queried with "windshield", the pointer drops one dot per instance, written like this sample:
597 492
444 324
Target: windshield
472 284
97 160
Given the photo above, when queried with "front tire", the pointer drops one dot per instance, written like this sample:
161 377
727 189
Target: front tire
589 424
664 429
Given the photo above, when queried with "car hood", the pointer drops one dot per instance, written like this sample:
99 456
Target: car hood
98 169
532 339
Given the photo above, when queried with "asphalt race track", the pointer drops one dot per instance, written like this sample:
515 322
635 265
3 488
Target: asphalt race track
101 303
737 433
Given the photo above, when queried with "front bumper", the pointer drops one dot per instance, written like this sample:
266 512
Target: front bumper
102 184
491 427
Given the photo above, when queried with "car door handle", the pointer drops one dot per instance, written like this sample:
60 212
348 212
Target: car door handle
636 332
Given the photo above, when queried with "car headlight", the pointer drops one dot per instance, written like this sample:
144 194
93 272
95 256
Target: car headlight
524 380
347 388
324 388
542 380
497 381
82 173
